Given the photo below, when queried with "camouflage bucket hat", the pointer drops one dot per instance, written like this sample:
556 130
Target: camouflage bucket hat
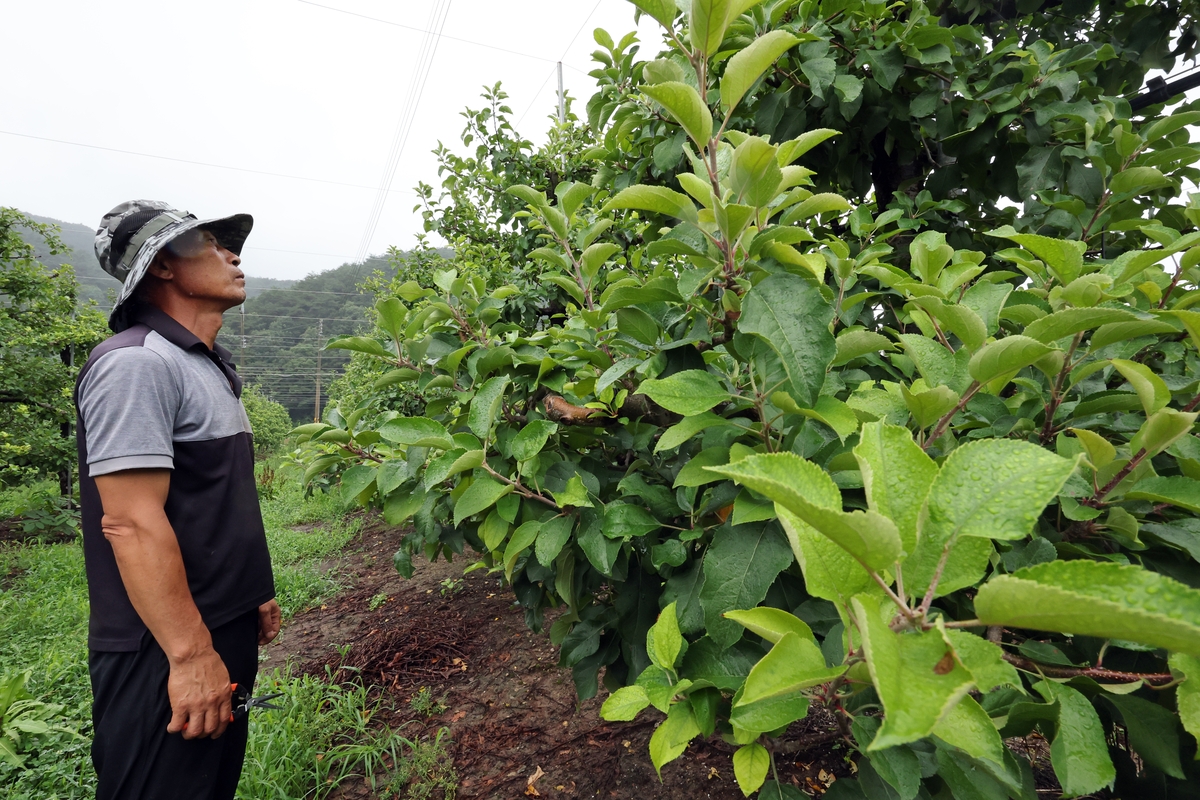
131 235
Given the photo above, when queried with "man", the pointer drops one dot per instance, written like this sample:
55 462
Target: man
179 576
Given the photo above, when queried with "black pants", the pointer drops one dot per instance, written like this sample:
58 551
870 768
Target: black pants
134 756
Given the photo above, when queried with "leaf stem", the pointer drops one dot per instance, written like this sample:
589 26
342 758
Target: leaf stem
944 422
1056 390
518 487
923 609
1097 500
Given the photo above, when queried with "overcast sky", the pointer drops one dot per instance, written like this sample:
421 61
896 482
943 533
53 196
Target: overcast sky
275 86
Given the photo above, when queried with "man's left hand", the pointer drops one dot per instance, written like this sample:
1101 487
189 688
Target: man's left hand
268 622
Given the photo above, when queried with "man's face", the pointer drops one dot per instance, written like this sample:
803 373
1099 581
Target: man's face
204 270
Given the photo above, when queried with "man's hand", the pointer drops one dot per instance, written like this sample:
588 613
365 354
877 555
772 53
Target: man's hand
201 696
268 622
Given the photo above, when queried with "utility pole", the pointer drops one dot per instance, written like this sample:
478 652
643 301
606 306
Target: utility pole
242 356
317 405
562 100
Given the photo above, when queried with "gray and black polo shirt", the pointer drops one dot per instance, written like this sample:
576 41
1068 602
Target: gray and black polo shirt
156 397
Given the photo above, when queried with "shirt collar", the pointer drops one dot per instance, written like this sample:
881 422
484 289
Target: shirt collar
170 329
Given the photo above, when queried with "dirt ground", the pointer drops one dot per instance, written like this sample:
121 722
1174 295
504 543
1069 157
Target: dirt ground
512 712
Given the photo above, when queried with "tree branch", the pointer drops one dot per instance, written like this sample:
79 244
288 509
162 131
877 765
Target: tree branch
1088 672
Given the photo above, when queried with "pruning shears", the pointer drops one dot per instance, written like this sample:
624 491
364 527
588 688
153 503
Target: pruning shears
243 702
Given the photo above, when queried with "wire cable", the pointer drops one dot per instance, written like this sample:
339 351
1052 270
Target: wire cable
566 49
198 163
404 125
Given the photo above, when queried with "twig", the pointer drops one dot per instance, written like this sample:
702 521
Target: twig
923 609
1097 500
944 422
1088 672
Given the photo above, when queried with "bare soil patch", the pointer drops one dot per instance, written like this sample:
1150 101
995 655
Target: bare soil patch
512 712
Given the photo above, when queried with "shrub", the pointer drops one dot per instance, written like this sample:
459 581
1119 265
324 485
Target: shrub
780 449
269 420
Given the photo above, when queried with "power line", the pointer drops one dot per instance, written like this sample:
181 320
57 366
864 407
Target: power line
259 291
197 163
444 35
404 125
564 55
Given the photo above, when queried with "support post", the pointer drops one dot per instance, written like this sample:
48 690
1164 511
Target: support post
562 100
320 336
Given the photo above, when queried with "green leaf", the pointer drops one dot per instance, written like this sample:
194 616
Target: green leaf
1078 752
1161 430
493 530
451 463
916 675
480 495
355 481
812 206
771 623
1177 490
664 642
829 571
399 506
852 344
624 704
574 495
969 728
1187 694
638 325
1071 321
552 537
656 289
772 696
993 488
392 473
687 428
417 432
938 366
626 521
1063 257
1122 331
663 11
739 567
959 320
486 405
751 763
792 149
690 392
530 440
1141 180
754 177
522 539
658 199
929 406
392 377
707 22
1100 451
671 738
869 537
1005 357
1153 732
1087 598
896 765
897 475
360 344
1150 388
748 64
789 314
684 104
829 410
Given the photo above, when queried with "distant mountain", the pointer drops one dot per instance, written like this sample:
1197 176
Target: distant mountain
95 283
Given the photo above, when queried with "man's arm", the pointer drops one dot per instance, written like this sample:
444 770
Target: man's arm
148 557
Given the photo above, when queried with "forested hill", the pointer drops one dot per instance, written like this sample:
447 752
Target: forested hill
95 283
276 342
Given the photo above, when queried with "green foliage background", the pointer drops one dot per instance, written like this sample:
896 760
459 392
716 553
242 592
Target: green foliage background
844 357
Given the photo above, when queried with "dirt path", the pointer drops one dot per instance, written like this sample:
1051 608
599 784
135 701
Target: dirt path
511 711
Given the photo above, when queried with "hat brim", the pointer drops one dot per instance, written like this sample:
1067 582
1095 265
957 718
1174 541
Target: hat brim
231 232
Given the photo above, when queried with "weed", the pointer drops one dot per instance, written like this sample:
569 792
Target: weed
452 586
423 703
377 601
323 738
268 486
426 770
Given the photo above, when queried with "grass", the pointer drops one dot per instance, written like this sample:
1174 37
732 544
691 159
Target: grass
321 740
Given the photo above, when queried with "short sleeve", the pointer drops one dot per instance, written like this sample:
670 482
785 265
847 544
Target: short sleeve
129 400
